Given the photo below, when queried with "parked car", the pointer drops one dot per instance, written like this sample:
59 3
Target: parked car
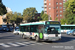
71 32
0 28
16 31
6 28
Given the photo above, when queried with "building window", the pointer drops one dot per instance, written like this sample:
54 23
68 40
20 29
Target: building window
57 3
49 0
57 11
49 7
57 15
60 7
49 3
60 11
45 12
63 0
45 4
57 7
60 15
60 3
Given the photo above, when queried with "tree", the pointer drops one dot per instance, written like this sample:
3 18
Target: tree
2 8
28 14
63 21
13 17
44 17
16 17
70 12
8 17
42 13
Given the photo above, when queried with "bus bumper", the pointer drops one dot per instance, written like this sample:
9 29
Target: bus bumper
53 39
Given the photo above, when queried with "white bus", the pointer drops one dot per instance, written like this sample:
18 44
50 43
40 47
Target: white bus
65 28
44 30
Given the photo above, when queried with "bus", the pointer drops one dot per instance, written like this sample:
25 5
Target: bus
41 31
65 28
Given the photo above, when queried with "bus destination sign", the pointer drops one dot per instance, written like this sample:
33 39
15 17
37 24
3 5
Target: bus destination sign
52 23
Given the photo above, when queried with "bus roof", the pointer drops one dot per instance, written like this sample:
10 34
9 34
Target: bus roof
37 23
67 25
33 23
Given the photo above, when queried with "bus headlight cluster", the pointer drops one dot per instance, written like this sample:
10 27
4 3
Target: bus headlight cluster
59 35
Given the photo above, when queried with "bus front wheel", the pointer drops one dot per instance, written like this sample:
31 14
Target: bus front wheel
23 36
37 39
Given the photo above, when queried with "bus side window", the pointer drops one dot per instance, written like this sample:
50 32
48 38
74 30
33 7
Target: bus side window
22 28
33 28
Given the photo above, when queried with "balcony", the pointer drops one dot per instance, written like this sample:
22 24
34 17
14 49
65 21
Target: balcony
45 1
45 5
45 9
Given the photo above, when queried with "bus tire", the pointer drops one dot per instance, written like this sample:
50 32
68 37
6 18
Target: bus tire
37 39
23 36
70 33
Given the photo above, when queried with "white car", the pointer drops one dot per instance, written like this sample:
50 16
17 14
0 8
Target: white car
16 31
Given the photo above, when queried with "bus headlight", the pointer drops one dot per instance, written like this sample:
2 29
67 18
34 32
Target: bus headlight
45 36
59 35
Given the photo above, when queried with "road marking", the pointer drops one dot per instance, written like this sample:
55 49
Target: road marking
4 45
20 43
39 43
13 44
27 43
32 42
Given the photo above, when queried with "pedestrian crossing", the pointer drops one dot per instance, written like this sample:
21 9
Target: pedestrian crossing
17 44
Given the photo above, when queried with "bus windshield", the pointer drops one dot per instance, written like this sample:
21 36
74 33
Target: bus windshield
52 29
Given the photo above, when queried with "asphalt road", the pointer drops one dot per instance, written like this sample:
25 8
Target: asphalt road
9 41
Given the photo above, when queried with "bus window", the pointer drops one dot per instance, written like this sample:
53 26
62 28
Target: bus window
33 28
22 28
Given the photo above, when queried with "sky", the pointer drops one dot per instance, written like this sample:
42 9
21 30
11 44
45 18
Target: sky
20 5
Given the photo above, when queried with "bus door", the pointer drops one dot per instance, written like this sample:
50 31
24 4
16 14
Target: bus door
40 31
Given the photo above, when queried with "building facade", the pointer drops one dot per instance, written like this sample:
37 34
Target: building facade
1 20
54 8
4 16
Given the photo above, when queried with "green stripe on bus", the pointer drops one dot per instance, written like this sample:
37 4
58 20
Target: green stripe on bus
41 35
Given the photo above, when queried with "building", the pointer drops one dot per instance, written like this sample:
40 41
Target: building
4 16
63 5
1 21
54 8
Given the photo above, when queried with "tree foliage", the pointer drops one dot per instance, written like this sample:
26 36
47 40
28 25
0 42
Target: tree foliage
42 13
29 13
13 17
69 14
44 17
2 8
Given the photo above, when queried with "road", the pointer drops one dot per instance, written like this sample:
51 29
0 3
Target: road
9 41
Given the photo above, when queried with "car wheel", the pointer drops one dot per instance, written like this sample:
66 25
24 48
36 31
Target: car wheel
18 34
